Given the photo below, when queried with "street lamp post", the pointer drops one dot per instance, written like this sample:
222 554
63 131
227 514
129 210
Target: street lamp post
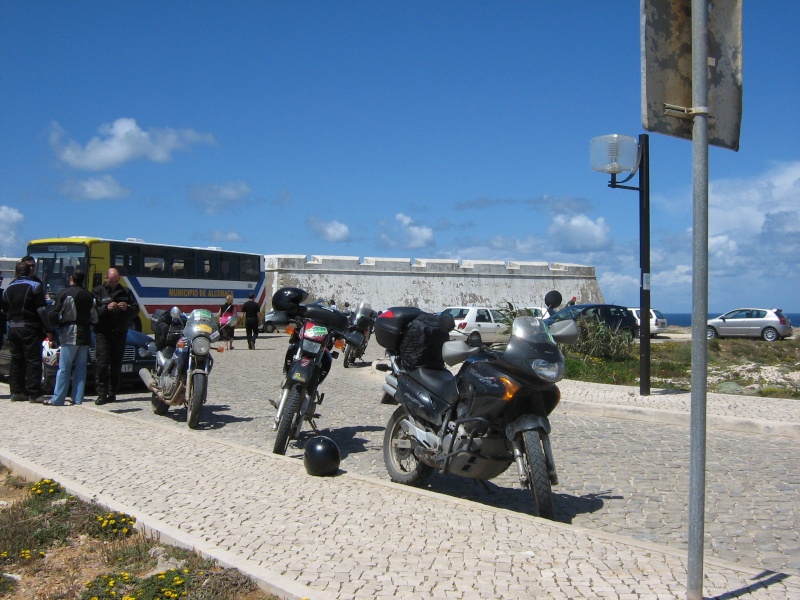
615 154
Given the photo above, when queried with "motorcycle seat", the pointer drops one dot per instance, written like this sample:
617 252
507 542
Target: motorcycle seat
440 382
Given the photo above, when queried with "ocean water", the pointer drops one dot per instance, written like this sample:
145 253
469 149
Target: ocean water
685 319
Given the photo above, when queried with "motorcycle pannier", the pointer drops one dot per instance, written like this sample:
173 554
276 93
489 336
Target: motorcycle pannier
422 343
391 324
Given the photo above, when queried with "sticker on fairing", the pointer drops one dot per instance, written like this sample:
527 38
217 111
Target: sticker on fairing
316 331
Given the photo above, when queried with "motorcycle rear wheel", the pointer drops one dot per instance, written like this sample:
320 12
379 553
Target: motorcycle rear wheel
401 463
538 479
289 418
199 391
159 407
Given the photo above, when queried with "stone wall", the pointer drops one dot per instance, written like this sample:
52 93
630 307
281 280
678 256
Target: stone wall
427 283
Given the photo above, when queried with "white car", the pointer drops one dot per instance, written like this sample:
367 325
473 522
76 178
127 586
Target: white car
478 322
658 322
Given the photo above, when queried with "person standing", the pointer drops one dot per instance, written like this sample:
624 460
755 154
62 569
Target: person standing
227 321
24 303
252 311
116 309
75 312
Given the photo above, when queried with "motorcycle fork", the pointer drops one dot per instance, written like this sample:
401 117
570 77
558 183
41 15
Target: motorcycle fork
519 459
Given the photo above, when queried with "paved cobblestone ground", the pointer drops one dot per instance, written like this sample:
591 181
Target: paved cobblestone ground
620 477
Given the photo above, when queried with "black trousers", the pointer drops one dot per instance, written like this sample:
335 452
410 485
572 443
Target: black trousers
25 345
109 350
251 328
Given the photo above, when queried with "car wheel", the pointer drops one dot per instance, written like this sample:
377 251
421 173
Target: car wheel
711 333
770 334
269 328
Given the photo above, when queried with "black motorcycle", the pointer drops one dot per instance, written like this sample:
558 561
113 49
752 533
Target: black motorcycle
316 333
362 320
475 423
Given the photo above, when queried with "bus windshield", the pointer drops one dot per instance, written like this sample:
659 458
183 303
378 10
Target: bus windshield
56 262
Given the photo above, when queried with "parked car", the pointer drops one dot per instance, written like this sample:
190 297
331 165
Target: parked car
658 322
274 319
137 356
770 324
618 318
478 323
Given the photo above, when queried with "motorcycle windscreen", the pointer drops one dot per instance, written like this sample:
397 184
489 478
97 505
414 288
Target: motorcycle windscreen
200 321
530 340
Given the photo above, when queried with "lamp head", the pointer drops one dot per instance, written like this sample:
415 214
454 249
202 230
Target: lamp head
614 153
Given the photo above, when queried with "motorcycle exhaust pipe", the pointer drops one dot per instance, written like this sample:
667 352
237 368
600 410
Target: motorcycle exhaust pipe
147 377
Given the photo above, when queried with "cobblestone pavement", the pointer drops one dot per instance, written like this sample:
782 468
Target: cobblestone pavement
619 477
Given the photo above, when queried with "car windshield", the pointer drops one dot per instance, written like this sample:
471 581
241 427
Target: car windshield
457 313
569 312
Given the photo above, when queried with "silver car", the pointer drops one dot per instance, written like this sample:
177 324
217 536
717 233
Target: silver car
478 323
770 324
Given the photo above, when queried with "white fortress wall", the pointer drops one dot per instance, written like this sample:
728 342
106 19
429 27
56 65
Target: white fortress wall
430 284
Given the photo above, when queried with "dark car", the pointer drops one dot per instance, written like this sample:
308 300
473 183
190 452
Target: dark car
618 318
137 356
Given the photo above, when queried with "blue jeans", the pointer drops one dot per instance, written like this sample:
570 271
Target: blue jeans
71 366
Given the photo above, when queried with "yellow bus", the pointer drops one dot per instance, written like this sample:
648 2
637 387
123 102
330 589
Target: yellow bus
160 276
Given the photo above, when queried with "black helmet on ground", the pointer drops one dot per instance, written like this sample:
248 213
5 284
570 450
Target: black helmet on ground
288 299
321 456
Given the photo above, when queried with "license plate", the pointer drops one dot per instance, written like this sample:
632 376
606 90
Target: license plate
127 368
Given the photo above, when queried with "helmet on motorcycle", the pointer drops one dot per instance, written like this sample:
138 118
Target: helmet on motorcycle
553 299
321 456
288 299
49 353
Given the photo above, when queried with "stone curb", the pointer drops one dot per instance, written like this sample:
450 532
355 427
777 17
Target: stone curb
653 415
267 580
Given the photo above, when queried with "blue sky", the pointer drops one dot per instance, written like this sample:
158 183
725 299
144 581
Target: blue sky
397 129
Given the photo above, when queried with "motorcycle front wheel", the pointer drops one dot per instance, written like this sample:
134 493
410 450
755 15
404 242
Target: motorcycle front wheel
199 390
289 417
398 453
538 479
348 356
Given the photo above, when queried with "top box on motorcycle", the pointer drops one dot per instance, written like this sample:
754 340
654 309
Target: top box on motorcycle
326 316
391 325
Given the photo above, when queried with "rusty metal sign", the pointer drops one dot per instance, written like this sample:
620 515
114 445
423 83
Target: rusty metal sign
666 39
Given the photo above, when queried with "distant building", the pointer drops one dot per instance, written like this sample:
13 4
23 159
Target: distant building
430 284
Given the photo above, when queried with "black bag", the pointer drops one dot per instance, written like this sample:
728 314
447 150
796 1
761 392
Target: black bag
422 343
161 321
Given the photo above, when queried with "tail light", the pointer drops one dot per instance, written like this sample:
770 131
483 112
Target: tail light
462 325
387 314
339 344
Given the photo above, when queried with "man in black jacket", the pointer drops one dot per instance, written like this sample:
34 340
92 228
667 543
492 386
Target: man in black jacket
116 308
21 301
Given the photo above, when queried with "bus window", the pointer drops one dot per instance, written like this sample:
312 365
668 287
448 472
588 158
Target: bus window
127 263
207 266
229 267
250 268
154 266
182 263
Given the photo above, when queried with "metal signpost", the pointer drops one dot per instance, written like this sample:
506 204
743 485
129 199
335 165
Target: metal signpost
682 102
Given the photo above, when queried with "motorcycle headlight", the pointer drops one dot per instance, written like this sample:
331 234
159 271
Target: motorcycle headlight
201 346
311 346
547 370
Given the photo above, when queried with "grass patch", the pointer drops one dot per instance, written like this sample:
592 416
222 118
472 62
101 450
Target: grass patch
47 519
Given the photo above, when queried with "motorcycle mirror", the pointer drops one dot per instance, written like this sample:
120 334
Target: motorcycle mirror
446 322
565 332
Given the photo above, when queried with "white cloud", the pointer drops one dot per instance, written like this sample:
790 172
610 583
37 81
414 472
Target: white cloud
578 233
226 236
329 231
215 197
123 141
412 235
10 218
104 187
